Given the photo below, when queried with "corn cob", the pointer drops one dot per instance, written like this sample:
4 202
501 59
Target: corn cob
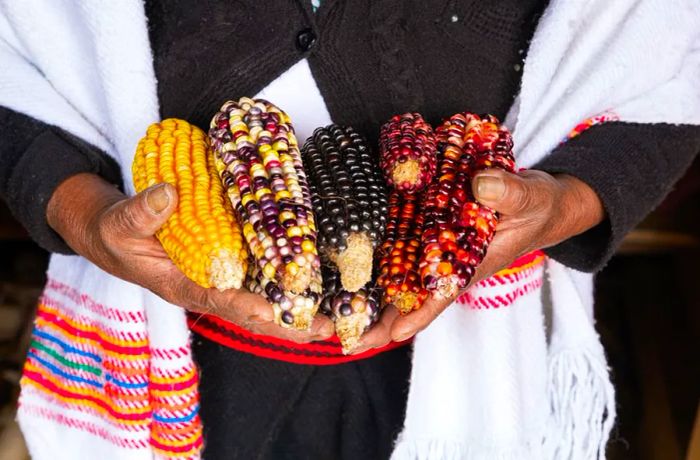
400 253
291 310
458 229
260 166
201 237
407 147
349 201
352 312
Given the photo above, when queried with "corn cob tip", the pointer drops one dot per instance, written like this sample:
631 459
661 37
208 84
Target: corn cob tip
406 173
447 287
406 302
355 262
227 270
350 328
202 236
295 279
300 321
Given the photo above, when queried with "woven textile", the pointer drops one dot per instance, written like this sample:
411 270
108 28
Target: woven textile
110 374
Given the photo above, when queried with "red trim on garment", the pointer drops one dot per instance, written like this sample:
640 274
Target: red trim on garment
324 352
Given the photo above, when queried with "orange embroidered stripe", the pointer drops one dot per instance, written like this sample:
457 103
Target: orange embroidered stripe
536 258
88 409
187 403
91 344
136 407
190 439
50 312
167 429
127 371
174 379
79 403
77 393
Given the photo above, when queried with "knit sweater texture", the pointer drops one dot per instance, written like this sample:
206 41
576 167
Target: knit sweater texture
370 60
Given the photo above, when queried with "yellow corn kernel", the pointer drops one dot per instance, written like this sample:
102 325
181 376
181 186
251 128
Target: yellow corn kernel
201 237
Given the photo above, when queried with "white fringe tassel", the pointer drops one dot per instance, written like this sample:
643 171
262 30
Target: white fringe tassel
431 449
582 406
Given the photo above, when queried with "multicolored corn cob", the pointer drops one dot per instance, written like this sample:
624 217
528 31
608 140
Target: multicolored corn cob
258 159
352 312
291 310
408 146
349 201
202 236
458 229
400 253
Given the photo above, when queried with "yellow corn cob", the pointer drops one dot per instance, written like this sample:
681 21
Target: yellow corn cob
202 236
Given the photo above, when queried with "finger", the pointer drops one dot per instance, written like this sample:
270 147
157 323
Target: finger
380 334
143 214
407 326
240 305
512 194
321 329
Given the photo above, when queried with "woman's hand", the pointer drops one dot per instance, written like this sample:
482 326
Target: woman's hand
116 233
537 210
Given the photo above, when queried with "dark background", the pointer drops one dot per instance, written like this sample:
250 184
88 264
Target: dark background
647 308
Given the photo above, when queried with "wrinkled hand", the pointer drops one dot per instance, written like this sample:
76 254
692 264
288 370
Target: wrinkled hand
116 233
536 209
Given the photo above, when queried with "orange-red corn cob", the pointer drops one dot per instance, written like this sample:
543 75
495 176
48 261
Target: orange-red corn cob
458 230
400 254
407 152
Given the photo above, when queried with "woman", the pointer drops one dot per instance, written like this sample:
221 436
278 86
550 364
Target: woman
79 90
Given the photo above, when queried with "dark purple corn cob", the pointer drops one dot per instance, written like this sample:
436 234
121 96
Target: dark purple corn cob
457 229
349 201
352 312
408 147
258 160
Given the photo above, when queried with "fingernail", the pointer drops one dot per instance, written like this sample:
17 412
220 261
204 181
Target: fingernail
257 319
404 336
490 188
158 198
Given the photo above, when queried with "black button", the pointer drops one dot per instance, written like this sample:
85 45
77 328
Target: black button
306 39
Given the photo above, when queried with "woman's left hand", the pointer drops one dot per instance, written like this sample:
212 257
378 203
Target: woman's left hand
536 210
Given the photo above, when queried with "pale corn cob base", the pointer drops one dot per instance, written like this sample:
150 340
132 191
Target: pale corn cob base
355 262
302 307
225 270
350 329
405 302
447 287
201 237
406 172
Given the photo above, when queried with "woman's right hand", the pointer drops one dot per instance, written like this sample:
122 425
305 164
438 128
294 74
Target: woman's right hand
116 233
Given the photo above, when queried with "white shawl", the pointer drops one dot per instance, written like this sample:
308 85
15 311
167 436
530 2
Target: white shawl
487 383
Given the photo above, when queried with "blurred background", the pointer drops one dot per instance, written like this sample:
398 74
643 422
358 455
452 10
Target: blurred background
647 308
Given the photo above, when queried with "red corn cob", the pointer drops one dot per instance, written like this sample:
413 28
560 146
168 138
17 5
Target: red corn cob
407 145
457 229
398 266
352 312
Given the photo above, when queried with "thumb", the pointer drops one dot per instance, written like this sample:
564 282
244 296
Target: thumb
502 191
143 214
